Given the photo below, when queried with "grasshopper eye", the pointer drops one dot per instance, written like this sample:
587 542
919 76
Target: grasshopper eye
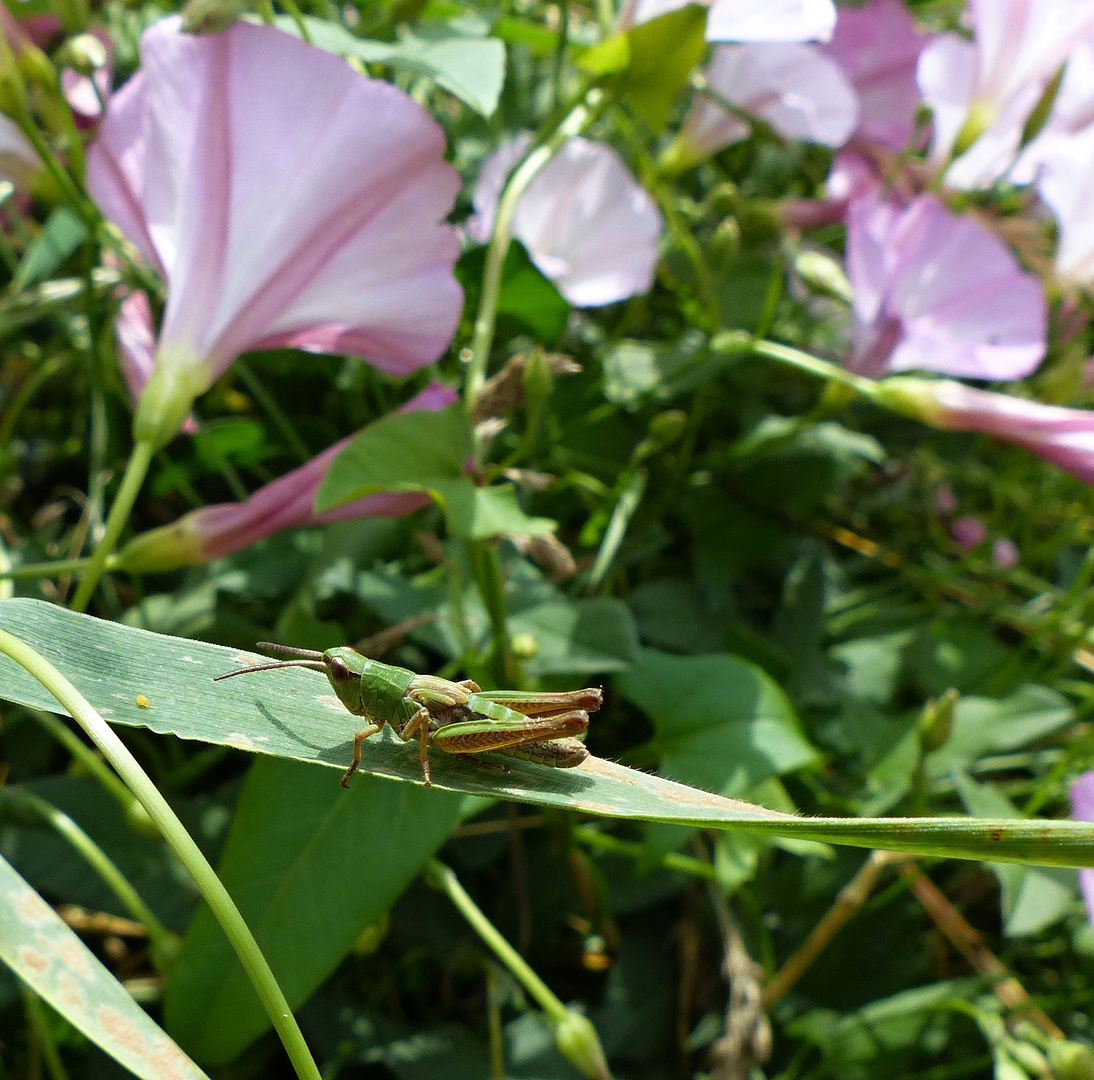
339 671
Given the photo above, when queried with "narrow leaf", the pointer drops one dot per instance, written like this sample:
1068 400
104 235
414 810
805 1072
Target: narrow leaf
60 969
292 713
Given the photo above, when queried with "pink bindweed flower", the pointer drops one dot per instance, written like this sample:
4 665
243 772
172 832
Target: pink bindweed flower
584 220
945 501
18 161
981 92
1065 183
285 199
968 532
1082 809
1062 436
878 48
1004 553
796 89
215 531
746 20
939 292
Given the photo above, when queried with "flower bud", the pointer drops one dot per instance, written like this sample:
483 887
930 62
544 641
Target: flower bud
936 721
578 1041
84 53
824 274
1071 1060
211 16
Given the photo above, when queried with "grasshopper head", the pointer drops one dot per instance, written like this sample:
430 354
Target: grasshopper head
343 667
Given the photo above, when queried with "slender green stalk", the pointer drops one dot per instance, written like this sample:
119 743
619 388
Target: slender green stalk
442 877
135 472
84 754
574 1033
803 361
51 569
37 1022
273 410
483 338
180 841
163 942
612 845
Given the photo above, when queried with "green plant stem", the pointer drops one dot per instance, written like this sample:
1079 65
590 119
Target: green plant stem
274 411
591 837
84 755
442 877
483 338
486 569
802 361
54 568
135 472
161 939
37 1022
180 841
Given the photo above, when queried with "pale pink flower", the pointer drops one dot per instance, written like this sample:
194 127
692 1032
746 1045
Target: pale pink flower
981 92
1082 809
747 20
1065 183
968 532
1062 436
215 531
286 200
1004 553
939 292
18 160
945 501
585 221
878 48
1072 115
796 89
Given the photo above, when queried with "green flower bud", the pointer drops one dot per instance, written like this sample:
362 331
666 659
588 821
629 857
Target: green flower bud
578 1041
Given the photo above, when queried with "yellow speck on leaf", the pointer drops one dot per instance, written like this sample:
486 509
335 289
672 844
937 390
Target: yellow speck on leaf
143 702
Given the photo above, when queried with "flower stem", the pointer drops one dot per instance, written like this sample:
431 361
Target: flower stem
483 338
135 472
163 943
180 841
442 877
803 361
54 568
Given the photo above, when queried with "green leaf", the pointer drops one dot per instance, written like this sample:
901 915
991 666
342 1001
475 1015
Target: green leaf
60 969
61 235
650 63
722 723
293 714
311 866
663 54
477 513
471 68
411 451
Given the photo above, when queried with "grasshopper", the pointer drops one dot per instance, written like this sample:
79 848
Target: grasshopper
456 717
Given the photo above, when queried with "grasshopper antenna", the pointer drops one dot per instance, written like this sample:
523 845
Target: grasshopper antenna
315 665
310 659
308 654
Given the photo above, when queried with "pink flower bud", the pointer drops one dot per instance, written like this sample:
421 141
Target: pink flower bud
215 531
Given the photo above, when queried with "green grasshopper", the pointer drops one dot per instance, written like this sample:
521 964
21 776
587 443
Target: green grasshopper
456 717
